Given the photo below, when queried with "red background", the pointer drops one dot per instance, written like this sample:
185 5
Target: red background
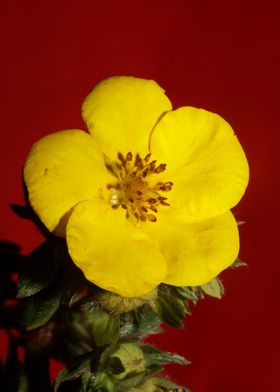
219 55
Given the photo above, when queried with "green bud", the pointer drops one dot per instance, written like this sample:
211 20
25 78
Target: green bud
132 359
116 303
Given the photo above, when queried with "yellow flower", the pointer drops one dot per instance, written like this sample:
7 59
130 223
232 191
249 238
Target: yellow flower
144 198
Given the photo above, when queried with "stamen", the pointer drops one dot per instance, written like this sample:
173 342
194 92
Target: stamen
152 166
152 218
121 158
143 218
129 156
132 191
147 157
160 168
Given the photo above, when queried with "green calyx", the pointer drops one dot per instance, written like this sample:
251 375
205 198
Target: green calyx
115 303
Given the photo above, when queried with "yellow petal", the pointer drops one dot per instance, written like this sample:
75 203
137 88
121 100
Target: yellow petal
196 251
204 160
112 253
121 112
61 170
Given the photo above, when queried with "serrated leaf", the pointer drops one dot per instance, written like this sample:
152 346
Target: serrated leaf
40 267
171 309
153 356
214 288
148 320
105 328
190 293
39 308
74 370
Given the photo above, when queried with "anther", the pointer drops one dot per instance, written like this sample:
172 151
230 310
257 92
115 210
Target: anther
147 157
160 168
124 206
138 162
152 165
165 188
143 218
129 156
152 218
151 200
139 193
121 157
144 209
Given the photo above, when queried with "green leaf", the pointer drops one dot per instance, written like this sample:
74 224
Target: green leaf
103 383
139 323
39 308
105 328
168 385
87 380
153 356
171 309
41 266
214 288
148 320
193 294
134 379
74 370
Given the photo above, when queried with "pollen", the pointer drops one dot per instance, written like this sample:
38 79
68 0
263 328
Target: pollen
136 189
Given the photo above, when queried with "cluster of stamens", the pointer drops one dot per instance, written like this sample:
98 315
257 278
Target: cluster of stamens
133 192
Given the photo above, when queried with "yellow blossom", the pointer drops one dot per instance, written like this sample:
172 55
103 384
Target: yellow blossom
145 196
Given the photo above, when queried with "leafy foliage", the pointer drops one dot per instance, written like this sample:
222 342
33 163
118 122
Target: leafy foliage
62 317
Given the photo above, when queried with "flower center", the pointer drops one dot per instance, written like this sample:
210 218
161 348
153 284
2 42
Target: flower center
133 192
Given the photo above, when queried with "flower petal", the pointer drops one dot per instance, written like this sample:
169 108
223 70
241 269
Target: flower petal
111 252
121 112
196 251
204 160
61 170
